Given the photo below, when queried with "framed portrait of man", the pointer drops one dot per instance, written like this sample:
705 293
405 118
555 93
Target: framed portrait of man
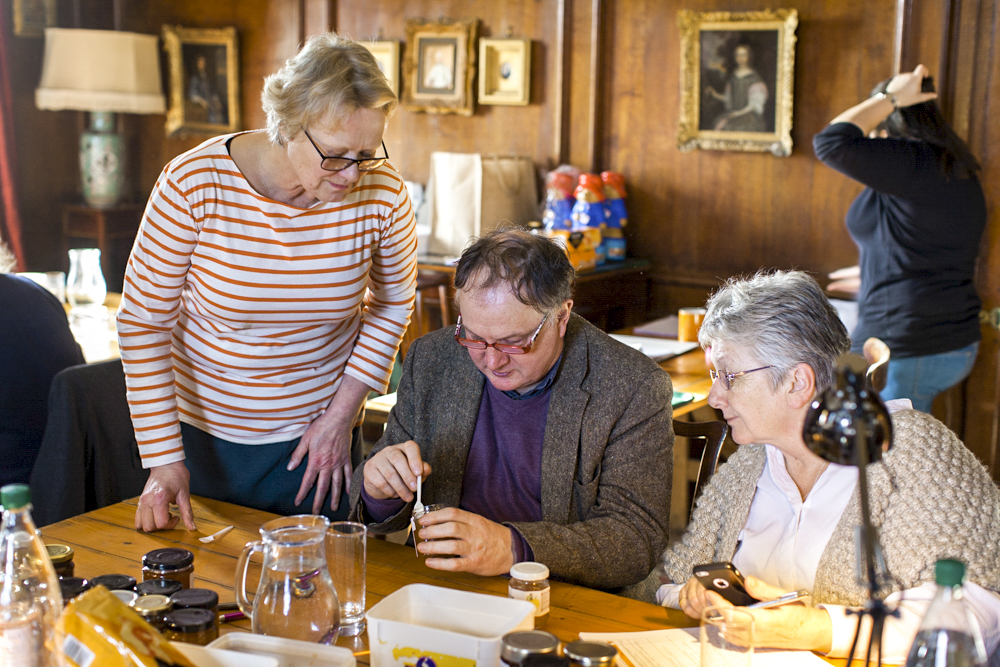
204 80
439 66
737 71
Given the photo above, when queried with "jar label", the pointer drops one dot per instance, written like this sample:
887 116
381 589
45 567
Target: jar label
538 598
20 643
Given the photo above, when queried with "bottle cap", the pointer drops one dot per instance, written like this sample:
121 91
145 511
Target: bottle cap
516 646
167 559
165 587
190 620
148 605
529 571
195 597
949 572
590 654
114 582
15 496
59 553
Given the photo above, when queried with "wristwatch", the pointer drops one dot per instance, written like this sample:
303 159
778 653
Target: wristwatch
891 98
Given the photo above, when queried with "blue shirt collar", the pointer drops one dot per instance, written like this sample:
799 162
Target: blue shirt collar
542 386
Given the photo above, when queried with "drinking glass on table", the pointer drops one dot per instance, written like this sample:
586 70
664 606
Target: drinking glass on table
726 637
346 553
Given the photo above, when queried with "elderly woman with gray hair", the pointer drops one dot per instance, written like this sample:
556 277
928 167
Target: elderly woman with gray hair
785 517
267 292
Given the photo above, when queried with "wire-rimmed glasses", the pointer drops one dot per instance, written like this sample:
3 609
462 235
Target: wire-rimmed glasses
727 378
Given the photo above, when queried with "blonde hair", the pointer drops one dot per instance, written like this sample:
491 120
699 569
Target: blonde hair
7 259
330 75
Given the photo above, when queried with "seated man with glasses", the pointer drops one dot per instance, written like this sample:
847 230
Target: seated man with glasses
544 438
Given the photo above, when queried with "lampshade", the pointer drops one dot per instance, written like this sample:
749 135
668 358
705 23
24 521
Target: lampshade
100 70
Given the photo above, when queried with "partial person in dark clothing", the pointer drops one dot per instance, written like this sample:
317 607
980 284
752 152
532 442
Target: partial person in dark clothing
917 224
35 344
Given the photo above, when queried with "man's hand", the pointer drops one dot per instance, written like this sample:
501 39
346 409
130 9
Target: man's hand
483 547
166 484
392 473
694 598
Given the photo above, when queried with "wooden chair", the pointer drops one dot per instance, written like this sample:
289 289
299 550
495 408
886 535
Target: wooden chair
877 355
713 434
421 322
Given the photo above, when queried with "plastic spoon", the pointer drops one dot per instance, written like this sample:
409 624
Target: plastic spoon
417 507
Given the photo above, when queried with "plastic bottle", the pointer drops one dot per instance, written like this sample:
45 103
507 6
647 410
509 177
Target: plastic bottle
30 600
949 634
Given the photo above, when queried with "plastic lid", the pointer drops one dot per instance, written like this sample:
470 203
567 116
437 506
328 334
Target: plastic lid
114 582
167 559
165 587
589 654
190 620
72 586
949 572
529 571
59 553
148 605
15 496
516 646
195 597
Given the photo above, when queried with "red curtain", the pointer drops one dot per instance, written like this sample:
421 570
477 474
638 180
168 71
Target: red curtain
10 218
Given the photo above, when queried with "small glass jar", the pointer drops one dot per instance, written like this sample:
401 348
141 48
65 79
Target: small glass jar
153 609
516 646
590 654
192 626
530 581
164 587
62 559
70 587
127 597
196 598
170 563
114 582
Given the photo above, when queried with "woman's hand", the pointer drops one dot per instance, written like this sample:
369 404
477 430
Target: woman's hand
906 86
166 484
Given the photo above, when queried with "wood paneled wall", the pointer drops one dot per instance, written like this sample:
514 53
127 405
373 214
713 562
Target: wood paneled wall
604 95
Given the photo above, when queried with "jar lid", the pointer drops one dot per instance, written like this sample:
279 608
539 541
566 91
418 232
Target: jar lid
166 587
148 605
590 654
59 553
114 582
529 571
72 586
545 660
167 559
516 646
195 597
128 597
190 620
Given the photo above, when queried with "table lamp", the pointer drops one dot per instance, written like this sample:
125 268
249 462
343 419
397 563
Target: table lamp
103 72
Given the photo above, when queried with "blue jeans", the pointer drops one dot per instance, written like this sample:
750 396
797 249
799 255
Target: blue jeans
920 379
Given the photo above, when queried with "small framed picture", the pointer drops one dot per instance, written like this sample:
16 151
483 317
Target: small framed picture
504 71
32 17
439 66
204 80
737 70
387 56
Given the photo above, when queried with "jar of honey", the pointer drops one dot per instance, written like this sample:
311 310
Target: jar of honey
62 559
170 563
192 626
153 609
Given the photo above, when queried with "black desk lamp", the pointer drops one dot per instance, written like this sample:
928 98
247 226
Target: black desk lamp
848 424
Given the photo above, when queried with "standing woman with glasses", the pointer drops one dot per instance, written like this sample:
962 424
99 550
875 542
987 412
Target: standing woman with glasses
267 292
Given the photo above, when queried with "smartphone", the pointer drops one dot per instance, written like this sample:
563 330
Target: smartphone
927 85
726 580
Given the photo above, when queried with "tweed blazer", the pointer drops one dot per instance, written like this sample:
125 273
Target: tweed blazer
606 452
930 498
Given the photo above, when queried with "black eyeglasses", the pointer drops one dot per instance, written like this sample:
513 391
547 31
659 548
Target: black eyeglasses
727 378
341 163
474 344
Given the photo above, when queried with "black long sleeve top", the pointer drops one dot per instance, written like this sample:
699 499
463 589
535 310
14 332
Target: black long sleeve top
918 234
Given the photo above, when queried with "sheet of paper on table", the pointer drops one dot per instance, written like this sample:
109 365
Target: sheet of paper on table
665 327
656 349
681 647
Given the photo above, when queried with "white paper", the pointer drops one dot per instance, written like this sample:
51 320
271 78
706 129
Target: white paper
656 349
681 647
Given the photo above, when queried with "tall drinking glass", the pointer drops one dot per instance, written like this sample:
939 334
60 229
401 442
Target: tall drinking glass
346 553
726 637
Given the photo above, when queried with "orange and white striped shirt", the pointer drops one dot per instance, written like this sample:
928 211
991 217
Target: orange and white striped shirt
241 314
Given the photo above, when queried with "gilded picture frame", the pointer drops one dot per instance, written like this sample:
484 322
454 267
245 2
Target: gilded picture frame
737 73
504 71
439 66
387 56
32 17
204 80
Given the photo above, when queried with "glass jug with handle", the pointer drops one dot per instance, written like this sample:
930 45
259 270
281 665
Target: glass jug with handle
85 286
295 598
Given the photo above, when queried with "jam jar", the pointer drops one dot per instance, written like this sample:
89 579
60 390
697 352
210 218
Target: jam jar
62 559
590 654
530 581
516 646
196 598
153 609
169 563
70 587
165 587
192 626
114 582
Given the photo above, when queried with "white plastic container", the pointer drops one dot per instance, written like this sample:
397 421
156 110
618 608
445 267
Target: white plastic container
288 652
448 626
205 656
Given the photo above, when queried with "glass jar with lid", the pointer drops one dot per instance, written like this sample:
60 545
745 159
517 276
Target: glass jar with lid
530 581
114 582
61 556
165 587
516 646
70 587
170 563
590 654
196 598
192 626
153 609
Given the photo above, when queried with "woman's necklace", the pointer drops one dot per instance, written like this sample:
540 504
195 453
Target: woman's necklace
819 473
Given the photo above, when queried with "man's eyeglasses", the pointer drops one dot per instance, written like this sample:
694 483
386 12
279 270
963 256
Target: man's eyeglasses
727 378
474 344
341 163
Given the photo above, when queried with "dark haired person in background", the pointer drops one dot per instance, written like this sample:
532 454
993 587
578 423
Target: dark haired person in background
35 344
544 438
917 225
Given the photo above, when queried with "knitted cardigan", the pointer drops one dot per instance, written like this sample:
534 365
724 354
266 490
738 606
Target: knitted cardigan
930 498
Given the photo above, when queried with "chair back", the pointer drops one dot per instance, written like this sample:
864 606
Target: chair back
713 434
877 355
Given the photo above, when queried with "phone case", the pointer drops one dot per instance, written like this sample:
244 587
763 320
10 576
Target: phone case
726 580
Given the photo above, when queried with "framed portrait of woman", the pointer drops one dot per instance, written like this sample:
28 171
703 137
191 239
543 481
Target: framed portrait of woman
737 70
